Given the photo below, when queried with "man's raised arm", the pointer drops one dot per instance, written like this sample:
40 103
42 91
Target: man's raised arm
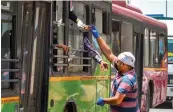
103 46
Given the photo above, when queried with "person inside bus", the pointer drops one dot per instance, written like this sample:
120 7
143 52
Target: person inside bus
124 87
87 45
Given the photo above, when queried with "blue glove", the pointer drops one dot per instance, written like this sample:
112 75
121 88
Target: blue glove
94 31
100 101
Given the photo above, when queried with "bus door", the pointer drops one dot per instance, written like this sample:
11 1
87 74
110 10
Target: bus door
10 62
35 39
133 42
138 52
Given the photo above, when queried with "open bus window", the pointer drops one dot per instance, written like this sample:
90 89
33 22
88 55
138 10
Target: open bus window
126 37
99 20
161 48
116 37
170 49
115 41
59 11
58 36
75 60
6 32
6 5
153 49
146 48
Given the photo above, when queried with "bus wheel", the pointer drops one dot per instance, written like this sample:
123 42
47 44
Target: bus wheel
70 107
148 100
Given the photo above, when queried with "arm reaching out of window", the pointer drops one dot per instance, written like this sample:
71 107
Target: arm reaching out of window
79 23
94 54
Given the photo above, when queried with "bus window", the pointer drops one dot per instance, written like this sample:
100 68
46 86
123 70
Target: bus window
99 18
126 37
115 41
116 37
6 34
100 22
6 5
170 49
76 40
146 48
58 37
161 48
153 49
59 10
9 71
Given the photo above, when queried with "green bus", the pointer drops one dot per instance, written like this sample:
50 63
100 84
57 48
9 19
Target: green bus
37 77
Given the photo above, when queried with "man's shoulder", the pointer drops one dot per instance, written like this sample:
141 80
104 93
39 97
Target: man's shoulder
129 77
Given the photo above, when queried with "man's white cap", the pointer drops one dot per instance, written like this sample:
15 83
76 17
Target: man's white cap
127 58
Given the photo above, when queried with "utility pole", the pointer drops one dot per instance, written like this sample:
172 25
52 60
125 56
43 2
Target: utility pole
166 8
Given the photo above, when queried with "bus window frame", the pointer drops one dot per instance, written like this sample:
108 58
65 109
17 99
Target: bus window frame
14 86
162 35
104 33
119 36
64 24
133 31
169 36
104 11
87 66
156 52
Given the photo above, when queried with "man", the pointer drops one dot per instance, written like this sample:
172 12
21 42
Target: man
124 87
87 45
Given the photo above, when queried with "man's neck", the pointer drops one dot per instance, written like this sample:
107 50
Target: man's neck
125 71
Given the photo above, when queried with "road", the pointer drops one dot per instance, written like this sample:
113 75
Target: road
165 107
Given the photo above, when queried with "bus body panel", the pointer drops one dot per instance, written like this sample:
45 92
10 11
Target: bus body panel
82 90
169 23
10 104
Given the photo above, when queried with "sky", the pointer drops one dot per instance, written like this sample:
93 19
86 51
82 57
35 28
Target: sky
154 6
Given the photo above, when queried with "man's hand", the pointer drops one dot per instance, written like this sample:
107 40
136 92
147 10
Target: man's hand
80 24
100 101
104 66
64 47
94 31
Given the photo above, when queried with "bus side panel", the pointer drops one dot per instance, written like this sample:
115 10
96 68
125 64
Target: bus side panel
82 90
9 104
9 107
158 77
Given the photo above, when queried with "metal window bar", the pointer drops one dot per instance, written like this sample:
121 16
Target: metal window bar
60 56
80 50
72 57
10 70
10 80
89 65
10 60
59 64
78 57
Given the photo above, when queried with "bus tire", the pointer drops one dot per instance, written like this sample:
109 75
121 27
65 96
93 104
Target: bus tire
70 106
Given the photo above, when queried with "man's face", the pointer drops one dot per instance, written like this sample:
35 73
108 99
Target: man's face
119 66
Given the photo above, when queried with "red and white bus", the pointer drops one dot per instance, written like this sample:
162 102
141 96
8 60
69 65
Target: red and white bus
141 35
